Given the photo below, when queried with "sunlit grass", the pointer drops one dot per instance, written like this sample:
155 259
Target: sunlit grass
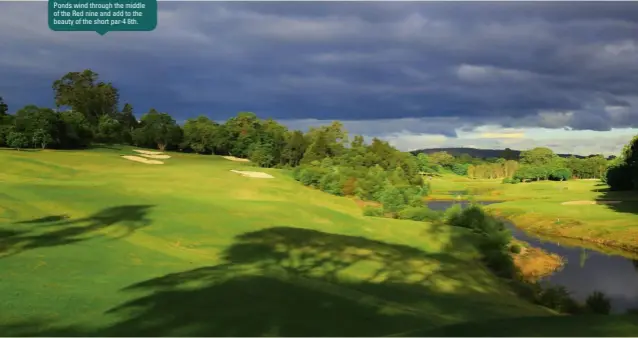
110 223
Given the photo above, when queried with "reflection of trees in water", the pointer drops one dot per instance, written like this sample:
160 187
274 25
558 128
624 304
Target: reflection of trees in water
583 257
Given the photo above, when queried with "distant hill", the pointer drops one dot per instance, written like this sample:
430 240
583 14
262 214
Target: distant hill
480 153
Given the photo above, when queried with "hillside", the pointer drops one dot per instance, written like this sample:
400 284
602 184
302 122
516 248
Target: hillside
97 245
480 153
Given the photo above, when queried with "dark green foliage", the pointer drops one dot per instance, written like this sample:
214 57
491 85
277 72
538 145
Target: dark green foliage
4 108
623 173
515 248
598 303
422 213
372 211
460 168
560 174
17 140
494 238
617 177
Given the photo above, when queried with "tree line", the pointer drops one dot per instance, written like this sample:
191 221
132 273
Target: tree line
87 111
623 171
536 164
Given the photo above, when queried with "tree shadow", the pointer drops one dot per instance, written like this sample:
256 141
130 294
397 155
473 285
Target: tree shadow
628 200
56 230
285 281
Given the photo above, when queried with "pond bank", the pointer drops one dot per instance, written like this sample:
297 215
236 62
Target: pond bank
538 224
586 268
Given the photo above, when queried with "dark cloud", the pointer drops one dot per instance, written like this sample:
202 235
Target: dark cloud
515 64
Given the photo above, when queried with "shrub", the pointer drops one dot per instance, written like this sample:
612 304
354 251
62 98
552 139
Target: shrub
507 180
310 176
451 214
421 213
392 199
598 303
372 211
515 249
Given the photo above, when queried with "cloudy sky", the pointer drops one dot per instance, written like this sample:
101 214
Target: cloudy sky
419 74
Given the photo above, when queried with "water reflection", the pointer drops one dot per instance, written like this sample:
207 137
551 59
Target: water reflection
586 269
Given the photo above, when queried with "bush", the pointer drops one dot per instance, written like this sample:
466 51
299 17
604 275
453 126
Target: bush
310 176
372 211
451 214
515 249
507 180
598 303
421 213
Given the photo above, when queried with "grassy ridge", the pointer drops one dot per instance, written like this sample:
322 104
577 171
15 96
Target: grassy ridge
96 245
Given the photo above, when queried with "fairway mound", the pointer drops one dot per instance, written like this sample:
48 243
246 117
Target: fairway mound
253 174
148 152
158 157
236 159
141 159
589 202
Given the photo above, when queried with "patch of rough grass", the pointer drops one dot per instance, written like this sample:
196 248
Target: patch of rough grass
253 174
236 159
534 263
141 159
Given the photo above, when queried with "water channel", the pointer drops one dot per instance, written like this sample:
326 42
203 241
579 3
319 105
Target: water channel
585 271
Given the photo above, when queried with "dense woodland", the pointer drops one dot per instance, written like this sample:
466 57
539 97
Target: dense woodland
88 111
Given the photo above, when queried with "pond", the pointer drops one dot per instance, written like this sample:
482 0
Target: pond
585 271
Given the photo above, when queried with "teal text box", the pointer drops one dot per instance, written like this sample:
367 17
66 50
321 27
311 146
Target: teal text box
102 16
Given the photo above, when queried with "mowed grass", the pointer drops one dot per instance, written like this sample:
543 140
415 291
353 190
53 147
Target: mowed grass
92 244
537 206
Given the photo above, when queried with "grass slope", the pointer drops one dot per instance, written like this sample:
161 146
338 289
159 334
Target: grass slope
537 206
92 244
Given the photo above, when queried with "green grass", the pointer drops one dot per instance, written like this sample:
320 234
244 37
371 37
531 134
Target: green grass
537 207
92 244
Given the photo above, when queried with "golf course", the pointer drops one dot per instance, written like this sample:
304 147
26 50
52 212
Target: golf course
95 244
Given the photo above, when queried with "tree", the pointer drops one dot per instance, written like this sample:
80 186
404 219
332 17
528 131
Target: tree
294 149
17 140
442 158
539 156
4 109
75 130
158 129
41 137
83 92
318 149
108 129
127 122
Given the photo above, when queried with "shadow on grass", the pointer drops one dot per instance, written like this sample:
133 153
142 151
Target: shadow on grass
285 281
560 326
58 230
628 200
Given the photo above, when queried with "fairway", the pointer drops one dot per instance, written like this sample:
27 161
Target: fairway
93 244
555 208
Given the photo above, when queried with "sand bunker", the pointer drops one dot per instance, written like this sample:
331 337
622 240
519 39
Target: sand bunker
589 202
236 159
148 152
159 157
142 159
253 174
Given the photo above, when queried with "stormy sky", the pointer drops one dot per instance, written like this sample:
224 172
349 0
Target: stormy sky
419 74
